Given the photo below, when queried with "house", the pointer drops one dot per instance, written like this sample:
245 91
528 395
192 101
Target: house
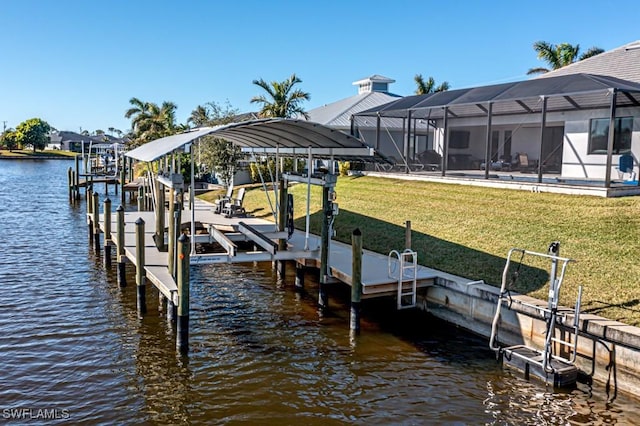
561 121
72 141
373 91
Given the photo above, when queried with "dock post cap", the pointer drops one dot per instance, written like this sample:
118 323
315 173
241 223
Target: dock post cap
107 200
357 231
139 221
120 208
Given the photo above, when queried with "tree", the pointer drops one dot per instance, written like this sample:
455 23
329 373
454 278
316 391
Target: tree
34 132
98 132
9 139
429 86
200 116
150 121
218 155
561 55
281 99
222 157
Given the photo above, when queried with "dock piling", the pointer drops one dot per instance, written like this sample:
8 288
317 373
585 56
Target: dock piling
182 334
106 213
327 210
140 273
120 256
160 221
282 218
89 214
356 281
70 182
96 220
76 177
122 183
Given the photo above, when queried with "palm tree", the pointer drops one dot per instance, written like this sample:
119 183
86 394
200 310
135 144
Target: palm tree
281 100
150 121
139 112
429 86
199 116
561 55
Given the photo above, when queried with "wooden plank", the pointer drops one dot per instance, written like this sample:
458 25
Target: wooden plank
258 238
159 276
222 239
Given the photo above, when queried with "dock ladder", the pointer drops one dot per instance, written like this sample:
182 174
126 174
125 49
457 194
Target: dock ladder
406 263
555 361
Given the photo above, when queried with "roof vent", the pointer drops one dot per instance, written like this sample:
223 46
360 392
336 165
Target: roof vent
634 46
375 83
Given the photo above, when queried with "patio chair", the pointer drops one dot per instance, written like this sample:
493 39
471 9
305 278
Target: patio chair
223 199
525 164
625 166
234 207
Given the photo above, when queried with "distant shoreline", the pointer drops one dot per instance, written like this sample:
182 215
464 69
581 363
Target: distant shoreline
22 155
35 157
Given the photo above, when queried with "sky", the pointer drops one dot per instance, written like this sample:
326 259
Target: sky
77 63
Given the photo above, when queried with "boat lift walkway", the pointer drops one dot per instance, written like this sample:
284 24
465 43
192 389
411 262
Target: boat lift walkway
376 281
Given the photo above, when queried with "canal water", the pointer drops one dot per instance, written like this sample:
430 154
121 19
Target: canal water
73 349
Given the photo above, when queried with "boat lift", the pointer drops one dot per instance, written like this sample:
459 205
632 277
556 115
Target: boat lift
554 363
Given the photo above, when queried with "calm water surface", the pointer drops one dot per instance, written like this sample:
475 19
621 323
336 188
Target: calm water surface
72 345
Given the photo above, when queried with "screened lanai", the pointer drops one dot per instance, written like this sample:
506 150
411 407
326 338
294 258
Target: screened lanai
574 126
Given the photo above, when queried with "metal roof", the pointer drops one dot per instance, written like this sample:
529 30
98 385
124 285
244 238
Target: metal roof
564 93
286 136
338 114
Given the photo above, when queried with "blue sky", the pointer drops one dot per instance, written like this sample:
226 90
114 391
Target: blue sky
77 63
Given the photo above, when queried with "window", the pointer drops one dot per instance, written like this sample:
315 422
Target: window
599 134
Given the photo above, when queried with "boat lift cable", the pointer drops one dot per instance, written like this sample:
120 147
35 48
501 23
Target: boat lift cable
275 187
192 200
264 186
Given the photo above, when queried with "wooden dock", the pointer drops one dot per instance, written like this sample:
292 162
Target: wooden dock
375 267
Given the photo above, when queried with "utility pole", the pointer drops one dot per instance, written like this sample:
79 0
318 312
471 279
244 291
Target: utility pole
4 126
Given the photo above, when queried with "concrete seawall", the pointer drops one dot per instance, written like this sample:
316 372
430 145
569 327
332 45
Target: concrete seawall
608 351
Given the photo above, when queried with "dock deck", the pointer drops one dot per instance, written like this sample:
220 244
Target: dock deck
375 277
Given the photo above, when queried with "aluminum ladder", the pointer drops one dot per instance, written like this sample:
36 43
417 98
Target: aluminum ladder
406 263
547 363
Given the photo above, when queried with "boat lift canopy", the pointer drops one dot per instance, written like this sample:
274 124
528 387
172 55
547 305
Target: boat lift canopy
279 136
266 136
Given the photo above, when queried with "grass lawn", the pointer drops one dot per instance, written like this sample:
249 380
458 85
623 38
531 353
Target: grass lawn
467 231
28 153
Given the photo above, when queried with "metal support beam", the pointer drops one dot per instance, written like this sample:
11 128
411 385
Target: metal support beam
611 137
543 124
487 153
445 141
377 144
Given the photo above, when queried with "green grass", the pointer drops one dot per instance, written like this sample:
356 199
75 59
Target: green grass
467 231
25 153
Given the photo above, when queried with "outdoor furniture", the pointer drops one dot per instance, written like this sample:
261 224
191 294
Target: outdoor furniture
526 165
233 207
222 200
625 166
431 159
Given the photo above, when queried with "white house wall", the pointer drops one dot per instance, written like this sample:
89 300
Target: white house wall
525 138
576 162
